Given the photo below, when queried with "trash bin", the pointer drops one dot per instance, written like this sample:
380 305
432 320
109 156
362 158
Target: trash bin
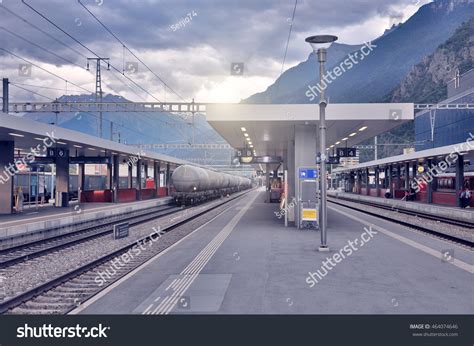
62 199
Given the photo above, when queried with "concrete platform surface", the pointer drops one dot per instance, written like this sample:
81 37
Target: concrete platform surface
433 209
47 217
246 262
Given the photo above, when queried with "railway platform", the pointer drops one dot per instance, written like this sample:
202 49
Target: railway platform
245 261
43 222
451 212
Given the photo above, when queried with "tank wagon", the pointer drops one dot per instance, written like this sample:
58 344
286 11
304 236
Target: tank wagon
195 184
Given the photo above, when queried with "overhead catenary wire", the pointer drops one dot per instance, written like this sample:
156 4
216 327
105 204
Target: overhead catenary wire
60 42
94 115
451 123
40 47
85 47
36 93
289 36
286 48
52 73
31 91
45 87
142 113
148 116
45 70
41 30
129 50
89 91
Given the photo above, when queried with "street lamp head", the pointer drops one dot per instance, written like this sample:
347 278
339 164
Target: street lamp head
321 41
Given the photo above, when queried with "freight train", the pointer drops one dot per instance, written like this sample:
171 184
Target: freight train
194 184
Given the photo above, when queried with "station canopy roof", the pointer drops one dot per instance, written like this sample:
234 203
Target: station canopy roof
28 134
271 126
439 153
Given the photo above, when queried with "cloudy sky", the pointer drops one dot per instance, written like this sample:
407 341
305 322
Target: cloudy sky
188 44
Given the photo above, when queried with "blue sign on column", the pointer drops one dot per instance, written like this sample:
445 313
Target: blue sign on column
306 173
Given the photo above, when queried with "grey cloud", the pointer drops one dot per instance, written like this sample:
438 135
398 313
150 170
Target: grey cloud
237 30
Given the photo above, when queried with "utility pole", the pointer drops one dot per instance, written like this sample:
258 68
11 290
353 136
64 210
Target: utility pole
98 87
432 125
114 132
457 80
193 113
5 96
56 114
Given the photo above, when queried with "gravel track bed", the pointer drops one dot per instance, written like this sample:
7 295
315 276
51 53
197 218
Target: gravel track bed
23 276
74 228
448 229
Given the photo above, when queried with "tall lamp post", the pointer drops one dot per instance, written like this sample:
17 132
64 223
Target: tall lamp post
320 44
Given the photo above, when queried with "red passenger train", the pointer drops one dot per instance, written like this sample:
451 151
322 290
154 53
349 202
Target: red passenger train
444 192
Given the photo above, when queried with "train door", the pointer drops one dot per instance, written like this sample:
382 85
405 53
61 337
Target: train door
42 186
33 200
37 186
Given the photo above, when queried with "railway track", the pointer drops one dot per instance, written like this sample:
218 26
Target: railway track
65 292
23 252
417 214
424 229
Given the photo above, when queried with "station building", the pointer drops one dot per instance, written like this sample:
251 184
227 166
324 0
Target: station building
46 159
441 127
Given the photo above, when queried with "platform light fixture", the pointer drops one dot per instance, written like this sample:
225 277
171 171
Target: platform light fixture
338 142
352 134
91 149
345 139
39 139
246 159
77 146
246 134
320 43
63 143
15 134
243 129
362 128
